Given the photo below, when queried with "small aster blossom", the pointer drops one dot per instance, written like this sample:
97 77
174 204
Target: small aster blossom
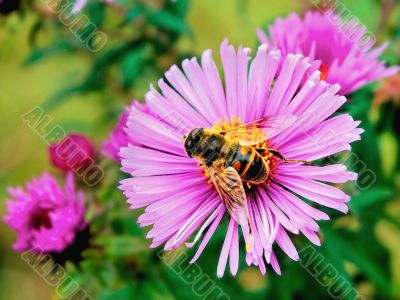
73 152
334 49
45 216
179 198
118 137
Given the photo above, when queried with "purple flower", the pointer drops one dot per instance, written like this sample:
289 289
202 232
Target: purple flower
179 199
73 152
342 55
118 137
45 216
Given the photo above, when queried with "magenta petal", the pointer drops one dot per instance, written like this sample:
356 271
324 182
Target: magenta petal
234 251
223 259
209 234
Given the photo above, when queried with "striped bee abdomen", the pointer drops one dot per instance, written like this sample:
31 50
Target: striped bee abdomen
249 164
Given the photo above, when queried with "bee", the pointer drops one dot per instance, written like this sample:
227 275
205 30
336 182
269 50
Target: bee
232 158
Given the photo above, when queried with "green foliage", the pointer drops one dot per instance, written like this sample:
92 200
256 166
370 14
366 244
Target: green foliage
148 31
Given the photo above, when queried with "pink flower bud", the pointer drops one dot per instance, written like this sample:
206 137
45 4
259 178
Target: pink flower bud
72 153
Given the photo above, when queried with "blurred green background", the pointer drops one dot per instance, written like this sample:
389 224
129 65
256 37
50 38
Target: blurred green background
24 153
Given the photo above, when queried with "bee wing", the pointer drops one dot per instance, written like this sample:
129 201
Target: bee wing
230 188
261 129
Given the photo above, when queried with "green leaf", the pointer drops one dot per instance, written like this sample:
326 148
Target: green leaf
154 288
126 225
179 7
127 292
132 65
369 197
349 248
123 246
334 259
167 20
34 31
133 14
389 148
96 11
95 80
366 161
358 108
39 54
326 268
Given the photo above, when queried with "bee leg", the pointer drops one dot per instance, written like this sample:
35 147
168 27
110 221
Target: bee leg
298 161
261 150
279 155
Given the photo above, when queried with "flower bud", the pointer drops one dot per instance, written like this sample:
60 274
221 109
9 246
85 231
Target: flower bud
75 151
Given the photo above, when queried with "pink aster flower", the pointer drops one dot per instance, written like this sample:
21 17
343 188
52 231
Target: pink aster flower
45 216
343 59
118 137
179 199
